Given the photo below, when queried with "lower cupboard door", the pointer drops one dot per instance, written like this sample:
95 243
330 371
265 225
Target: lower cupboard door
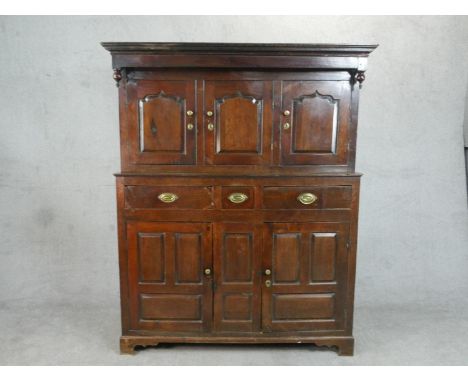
170 287
237 277
304 281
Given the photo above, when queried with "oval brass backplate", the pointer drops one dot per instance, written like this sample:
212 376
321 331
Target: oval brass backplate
167 197
307 198
238 197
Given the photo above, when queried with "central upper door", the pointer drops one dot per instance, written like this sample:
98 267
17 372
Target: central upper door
238 121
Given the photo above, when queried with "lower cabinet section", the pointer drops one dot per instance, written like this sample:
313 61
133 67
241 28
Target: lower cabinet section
237 277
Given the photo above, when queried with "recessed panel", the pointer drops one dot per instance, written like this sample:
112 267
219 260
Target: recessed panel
162 123
151 257
319 130
303 306
323 249
170 307
237 257
286 254
239 125
237 307
188 254
315 124
238 122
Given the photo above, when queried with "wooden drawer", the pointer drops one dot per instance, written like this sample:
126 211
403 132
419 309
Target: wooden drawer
313 197
237 197
169 197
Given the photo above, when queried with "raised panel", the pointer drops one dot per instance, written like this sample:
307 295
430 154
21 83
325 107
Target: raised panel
162 123
237 277
170 307
237 257
237 307
303 306
188 253
315 124
318 122
315 300
286 257
167 287
239 124
240 113
151 257
323 256
156 122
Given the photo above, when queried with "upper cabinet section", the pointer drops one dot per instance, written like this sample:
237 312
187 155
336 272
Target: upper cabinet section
231 108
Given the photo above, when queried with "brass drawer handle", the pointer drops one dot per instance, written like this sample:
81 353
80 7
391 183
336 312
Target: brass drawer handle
238 197
307 198
167 197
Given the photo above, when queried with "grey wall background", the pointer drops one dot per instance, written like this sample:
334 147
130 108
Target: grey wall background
59 148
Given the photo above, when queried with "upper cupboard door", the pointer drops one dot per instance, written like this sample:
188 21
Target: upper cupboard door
162 123
315 122
238 122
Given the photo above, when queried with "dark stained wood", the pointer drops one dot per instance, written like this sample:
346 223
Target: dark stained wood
170 291
202 122
286 197
227 191
319 122
242 122
146 197
158 132
297 265
237 277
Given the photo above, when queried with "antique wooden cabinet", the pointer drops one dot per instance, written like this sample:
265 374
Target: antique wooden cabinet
238 197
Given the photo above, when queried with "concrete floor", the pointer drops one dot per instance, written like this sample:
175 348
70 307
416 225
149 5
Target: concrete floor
59 334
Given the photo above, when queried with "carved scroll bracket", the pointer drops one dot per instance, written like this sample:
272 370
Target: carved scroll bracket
117 76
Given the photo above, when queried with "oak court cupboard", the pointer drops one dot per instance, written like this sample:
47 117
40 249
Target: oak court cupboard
237 197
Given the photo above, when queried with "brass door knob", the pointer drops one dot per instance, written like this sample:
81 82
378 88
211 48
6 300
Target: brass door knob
210 126
268 283
190 126
209 113
286 113
268 272
207 271
189 113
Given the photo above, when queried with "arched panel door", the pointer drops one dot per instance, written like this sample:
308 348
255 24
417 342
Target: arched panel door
315 122
237 122
162 122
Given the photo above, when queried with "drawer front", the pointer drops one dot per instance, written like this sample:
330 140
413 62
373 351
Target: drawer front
306 197
169 197
237 197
